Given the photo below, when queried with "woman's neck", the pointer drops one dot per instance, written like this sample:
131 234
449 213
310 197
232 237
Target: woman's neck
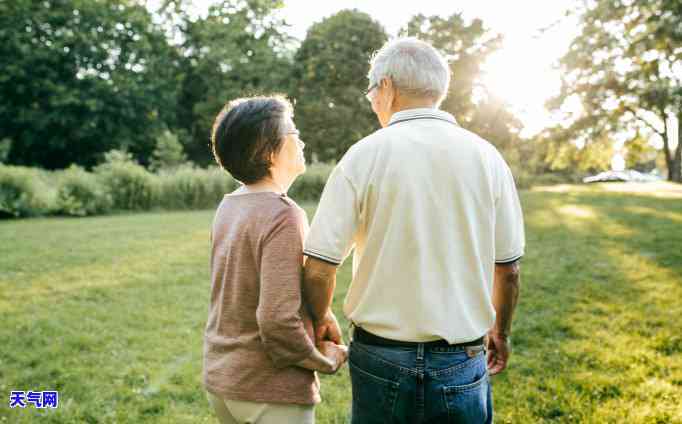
267 184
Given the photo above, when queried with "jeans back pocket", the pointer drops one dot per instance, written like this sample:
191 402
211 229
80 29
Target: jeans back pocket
468 403
374 397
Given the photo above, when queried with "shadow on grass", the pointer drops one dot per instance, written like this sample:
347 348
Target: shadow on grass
596 318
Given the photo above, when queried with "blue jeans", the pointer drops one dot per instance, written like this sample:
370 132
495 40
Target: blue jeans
419 385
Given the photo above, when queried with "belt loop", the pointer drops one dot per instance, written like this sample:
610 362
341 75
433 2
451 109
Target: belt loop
351 330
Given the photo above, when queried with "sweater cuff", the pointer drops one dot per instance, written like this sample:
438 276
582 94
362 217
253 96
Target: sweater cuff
283 359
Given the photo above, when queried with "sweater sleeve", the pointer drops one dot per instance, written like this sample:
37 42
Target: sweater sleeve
280 323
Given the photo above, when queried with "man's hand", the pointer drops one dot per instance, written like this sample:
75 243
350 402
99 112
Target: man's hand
336 354
327 329
498 352
505 295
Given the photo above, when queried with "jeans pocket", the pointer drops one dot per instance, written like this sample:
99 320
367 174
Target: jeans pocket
374 397
467 403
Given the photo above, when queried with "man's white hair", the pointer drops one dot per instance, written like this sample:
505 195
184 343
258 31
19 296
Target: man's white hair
416 68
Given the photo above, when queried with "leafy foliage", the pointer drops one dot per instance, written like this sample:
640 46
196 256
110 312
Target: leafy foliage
309 186
193 188
80 194
81 77
131 186
122 184
329 83
24 192
168 152
467 45
626 69
238 49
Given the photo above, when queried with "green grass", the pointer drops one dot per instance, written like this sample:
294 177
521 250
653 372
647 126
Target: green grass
110 312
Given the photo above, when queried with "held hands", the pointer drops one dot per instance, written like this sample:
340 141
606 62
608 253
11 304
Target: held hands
327 328
499 348
337 355
329 341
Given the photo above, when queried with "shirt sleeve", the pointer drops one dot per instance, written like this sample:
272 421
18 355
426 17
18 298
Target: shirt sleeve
509 232
278 314
332 232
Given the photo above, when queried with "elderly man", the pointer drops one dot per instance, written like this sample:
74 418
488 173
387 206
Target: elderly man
432 214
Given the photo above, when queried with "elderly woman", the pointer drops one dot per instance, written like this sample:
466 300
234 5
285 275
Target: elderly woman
259 355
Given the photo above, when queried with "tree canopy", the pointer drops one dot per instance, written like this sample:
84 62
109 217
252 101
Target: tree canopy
467 45
238 49
330 80
626 69
81 77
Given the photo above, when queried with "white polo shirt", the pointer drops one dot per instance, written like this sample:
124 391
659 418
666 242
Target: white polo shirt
428 208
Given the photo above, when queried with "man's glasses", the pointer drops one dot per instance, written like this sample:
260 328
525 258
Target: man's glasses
369 91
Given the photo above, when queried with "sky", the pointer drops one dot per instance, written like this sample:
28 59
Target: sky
522 72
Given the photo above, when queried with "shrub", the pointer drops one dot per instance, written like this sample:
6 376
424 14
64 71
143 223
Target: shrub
168 152
5 147
80 193
24 192
130 185
193 188
309 186
120 183
219 182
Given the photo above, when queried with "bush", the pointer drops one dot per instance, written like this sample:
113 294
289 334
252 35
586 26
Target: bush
24 192
120 183
193 188
129 184
5 147
309 186
168 153
80 193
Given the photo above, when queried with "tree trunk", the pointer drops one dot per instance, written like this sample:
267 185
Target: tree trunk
673 159
675 170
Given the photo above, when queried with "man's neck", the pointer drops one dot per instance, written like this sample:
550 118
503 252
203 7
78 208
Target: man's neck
402 105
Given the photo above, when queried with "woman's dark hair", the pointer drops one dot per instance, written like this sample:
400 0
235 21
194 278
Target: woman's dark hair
247 132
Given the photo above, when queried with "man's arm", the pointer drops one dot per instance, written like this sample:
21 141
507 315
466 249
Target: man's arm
319 282
505 296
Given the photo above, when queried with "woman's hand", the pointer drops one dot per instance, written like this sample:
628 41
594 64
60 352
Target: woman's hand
327 358
336 354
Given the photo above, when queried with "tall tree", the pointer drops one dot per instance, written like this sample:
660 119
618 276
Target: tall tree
626 68
329 83
80 77
239 48
467 45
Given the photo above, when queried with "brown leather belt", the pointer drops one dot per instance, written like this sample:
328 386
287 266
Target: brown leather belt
365 337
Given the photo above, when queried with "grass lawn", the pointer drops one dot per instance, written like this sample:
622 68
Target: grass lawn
110 311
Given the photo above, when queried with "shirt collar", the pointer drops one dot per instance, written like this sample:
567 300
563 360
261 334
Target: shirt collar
421 113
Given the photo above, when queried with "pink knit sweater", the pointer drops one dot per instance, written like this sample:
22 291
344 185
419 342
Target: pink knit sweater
258 326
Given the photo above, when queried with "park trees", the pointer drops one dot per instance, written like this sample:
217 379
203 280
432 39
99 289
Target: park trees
239 48
467 45
625 67
79 78
329 83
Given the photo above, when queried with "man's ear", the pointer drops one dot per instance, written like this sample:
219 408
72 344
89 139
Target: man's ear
390 91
